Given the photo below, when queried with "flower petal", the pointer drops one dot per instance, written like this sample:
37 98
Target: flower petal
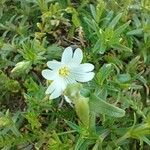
83 68
67 55
54 64
78 56
70 79
84 77
56 93
51 88
48 74
60 86
56 88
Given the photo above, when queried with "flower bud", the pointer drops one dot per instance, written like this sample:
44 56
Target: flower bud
22 67
82 110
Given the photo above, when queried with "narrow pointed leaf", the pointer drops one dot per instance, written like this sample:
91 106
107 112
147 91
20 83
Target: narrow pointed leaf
122 28
115 21
122 47
103 73
135 32
93 11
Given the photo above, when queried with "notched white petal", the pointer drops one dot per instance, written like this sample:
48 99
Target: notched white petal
48 74
67 55
85 77
77 56
87 67
53 64
56 93
56 88
51 88
83 68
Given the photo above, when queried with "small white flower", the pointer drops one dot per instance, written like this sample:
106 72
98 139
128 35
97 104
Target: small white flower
68 71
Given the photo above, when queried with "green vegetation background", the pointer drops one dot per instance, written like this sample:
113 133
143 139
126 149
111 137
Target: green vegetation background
114 36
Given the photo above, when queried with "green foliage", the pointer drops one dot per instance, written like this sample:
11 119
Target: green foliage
110 112
101 107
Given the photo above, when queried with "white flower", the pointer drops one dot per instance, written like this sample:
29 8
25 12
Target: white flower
68 71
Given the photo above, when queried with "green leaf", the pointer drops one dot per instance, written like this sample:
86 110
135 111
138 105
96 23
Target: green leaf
146 140
100 106
122 47
54 51
107 19
92 24
100 46
123 78
97 46
75 20
79 143
115 21
122 28
93 11
33 120
15 130
135 32
139 131
132 65
103 73
73 126
99 10
136 21
7 84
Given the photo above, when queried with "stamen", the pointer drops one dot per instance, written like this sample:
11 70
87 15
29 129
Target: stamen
64 71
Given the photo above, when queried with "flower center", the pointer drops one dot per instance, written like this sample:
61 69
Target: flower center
64 71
